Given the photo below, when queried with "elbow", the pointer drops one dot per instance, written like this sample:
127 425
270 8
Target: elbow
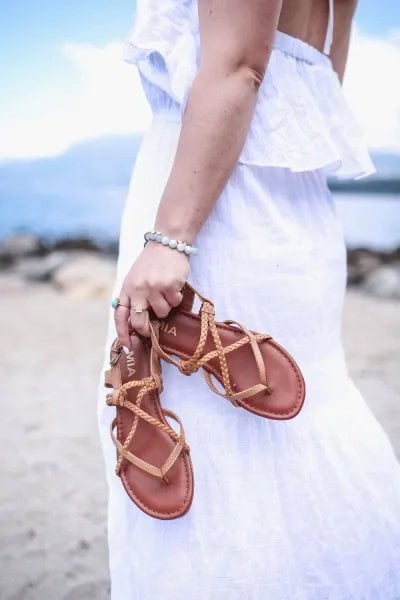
252 75
251 64
247 72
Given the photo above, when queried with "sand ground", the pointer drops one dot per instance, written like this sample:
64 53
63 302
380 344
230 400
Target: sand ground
52 497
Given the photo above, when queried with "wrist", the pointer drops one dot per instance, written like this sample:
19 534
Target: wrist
176 230
161 237
160 248
176 233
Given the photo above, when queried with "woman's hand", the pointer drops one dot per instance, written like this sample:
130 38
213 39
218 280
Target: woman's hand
154 280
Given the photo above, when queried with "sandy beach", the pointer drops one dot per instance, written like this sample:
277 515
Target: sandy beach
53 493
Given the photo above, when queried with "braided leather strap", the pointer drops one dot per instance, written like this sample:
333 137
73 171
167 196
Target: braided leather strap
199 359
119 397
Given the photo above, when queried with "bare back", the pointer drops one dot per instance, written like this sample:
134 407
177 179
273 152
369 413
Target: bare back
308 20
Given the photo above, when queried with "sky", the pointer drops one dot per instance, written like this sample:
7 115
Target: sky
63 78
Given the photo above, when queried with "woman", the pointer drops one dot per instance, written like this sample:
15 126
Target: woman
249 118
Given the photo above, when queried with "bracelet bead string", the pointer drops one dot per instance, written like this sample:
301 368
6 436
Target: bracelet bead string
161 238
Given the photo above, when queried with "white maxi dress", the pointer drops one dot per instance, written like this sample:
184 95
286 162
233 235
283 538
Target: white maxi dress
305 509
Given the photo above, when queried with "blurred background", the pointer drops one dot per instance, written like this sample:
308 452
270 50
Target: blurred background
71 118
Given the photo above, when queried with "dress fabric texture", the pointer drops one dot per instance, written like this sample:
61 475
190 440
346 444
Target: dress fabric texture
305 509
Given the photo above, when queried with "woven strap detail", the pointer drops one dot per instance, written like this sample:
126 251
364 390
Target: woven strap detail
119 397
199 359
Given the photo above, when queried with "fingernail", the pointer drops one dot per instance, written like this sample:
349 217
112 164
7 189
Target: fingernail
125 349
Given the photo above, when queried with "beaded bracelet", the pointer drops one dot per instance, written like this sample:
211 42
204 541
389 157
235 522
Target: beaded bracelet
161 238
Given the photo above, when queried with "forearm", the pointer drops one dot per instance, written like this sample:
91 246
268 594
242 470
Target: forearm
236 39
214 130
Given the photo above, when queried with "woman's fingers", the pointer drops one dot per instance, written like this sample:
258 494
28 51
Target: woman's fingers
159 298
173 297
140 322
160 305
121 316
139 314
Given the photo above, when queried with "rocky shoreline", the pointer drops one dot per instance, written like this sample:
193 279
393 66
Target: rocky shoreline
84 268
79 267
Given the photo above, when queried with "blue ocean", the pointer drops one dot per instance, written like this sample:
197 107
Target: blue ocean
369 220
82 193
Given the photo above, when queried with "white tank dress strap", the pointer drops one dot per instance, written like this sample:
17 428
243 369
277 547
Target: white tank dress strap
329 29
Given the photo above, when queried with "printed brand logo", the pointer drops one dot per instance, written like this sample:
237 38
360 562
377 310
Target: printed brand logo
167 328
130 363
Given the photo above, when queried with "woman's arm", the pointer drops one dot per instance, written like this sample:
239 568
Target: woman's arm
236 40
344 12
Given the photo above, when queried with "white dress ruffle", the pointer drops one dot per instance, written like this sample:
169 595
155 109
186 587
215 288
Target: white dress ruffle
301 121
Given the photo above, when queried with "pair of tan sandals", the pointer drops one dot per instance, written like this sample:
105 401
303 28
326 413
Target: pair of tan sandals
257 374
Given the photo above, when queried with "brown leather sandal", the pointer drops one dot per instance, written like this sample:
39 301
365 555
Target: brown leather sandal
237 357
153 460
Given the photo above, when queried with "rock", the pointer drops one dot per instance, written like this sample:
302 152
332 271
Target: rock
20 245
361 263
6 260
41 268
106 248
86 276
76 243
384 282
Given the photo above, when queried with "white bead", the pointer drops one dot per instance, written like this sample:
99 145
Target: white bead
181 246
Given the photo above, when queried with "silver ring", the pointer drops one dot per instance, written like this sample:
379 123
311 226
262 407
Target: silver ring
138 309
